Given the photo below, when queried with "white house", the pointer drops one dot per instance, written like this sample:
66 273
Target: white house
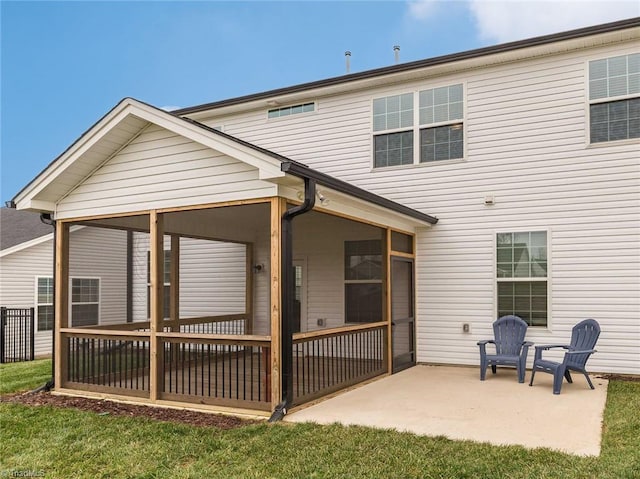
448 192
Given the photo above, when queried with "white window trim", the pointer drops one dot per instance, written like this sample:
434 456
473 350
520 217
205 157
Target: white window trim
38 304
588 102
71 303
548 279
416 127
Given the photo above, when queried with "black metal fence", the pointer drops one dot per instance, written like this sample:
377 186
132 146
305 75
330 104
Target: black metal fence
17 334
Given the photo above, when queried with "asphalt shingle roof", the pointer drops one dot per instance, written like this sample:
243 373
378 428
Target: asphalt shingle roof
20 226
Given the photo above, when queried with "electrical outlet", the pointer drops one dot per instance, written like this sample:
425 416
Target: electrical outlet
322 321
466 328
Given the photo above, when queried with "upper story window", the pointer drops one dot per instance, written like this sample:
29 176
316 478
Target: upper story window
438 127
393 113
291 110
441 114
614 98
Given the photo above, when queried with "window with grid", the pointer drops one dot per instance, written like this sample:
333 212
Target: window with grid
614 98
441 114
85 301
521 274
363 281
438 134
44 304
167 283
393 130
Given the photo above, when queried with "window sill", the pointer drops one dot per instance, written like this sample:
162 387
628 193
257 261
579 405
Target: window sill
604 144
428 164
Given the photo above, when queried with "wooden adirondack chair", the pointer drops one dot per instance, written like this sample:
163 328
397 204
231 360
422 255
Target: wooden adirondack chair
583 339
511 348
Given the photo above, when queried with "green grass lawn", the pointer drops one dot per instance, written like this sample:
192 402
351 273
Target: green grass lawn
67 443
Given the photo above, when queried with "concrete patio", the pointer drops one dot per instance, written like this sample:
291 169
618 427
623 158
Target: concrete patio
453 402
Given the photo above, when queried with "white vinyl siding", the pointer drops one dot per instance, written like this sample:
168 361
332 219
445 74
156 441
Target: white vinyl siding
161 169
525 129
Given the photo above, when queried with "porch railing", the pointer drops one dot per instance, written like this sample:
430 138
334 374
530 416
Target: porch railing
224 324
116 363
217 369
225 370
330 360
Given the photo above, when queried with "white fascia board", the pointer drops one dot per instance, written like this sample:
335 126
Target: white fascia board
36 205
357 209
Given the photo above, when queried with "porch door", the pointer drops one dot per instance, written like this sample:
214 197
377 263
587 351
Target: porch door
402 313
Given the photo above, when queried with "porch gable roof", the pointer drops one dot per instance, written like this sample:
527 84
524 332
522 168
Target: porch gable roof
111 134
129 119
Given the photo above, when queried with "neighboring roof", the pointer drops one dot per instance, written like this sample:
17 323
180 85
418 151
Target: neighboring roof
415 65
18 227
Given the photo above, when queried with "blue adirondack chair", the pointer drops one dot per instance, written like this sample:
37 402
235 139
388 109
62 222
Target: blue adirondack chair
511 348
583 339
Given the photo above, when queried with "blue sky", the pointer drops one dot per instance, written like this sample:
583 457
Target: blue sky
65 64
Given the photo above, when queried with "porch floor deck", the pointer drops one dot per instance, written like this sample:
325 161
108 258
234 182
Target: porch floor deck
453 402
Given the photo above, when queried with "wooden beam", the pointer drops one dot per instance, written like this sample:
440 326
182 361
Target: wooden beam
174 280
62 302
248 289
156 247
278 206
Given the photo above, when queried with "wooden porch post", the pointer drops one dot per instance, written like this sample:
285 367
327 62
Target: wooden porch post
156 247
278 206
174 300
62 302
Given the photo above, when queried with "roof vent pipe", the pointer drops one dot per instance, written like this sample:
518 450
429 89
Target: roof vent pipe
396 53
347 57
